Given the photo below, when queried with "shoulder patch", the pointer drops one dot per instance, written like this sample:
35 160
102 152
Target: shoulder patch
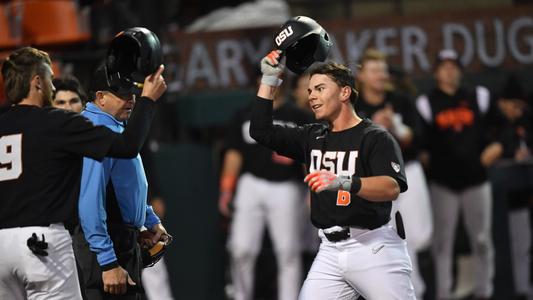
395 166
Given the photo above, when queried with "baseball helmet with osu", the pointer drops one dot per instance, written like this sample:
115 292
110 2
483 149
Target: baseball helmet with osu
303 42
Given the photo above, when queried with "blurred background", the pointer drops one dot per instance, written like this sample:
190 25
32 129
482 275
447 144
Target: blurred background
212 51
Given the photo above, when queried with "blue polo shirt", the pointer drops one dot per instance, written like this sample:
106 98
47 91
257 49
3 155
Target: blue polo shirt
130 186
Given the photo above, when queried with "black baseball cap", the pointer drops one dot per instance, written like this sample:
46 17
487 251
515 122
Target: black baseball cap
447 55
512 89
122 87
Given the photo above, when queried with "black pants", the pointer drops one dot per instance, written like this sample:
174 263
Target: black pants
127 250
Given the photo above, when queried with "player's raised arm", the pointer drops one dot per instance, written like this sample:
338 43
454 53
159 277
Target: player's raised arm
261 123
129 143
272 69
286 141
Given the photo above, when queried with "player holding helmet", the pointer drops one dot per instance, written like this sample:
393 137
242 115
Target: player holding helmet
356 170
41 150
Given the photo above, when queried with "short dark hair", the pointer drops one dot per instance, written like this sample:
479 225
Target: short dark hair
69 83
341 74
18 70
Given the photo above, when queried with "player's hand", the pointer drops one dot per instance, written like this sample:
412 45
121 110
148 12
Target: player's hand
323 180
271 64
159 234
116 280
272 68
224 203
491 154
154 85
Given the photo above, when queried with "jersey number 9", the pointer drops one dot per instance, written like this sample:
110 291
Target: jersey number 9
10 157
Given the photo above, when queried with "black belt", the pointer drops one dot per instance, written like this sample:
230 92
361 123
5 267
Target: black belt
338 236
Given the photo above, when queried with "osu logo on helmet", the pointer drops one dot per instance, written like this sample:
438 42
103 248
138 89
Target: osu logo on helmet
303 42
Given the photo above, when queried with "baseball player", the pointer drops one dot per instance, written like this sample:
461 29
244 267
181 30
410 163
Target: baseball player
41 151
512 177
397 114
356 171
268 193
454 120
69 94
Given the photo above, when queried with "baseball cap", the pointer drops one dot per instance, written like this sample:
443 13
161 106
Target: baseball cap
122 87
512 89
448 55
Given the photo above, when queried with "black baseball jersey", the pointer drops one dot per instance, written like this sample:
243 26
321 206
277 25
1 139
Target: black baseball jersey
364 150
401 105
513 135
456 134
41 152
258 159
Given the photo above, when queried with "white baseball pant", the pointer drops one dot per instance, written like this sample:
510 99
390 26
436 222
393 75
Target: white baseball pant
476 205
24 275
279 205
155 282
415 207
371 263
520 230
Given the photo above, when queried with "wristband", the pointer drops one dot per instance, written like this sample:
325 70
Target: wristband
109 266
271 80
227 183
356 184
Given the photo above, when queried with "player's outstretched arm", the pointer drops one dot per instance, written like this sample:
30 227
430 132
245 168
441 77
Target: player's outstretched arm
129 143
374 188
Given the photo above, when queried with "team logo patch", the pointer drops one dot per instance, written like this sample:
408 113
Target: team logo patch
395 166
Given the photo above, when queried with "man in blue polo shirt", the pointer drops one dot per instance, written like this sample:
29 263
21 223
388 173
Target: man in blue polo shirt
113 208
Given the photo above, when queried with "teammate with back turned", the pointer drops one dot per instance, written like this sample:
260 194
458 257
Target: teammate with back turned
356 170
41 151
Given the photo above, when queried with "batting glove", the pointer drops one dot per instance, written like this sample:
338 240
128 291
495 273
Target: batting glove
272 68
324 180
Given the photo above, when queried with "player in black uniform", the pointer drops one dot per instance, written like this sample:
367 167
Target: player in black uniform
456 138
512 177
356 170
41 151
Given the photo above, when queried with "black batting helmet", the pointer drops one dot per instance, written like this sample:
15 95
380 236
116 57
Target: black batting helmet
304 42
132 55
